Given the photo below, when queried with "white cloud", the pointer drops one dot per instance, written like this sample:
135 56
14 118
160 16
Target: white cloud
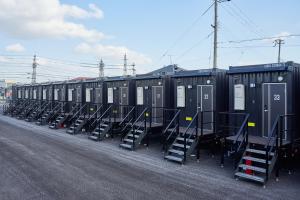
112 52
47 18
16 48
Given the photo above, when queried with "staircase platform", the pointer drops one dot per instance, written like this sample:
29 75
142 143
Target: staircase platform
117 120
256 140
191 130
153 124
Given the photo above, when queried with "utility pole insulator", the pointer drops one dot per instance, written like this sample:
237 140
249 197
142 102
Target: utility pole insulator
34 65
125 66
101 69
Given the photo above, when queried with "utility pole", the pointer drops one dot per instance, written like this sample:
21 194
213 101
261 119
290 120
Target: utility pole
125 66
216 27
101 69
171 61
133 70
34 65
279 42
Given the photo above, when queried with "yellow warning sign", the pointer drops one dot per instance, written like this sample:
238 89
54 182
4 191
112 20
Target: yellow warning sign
188 118
251 124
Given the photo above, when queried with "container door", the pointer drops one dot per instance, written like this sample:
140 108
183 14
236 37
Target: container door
274 104
123 100
98 95
205 104
157 104
78 95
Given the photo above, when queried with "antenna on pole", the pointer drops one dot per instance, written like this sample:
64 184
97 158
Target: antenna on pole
279 42
171 61
101 69
125 66
216 27
133 69
34 65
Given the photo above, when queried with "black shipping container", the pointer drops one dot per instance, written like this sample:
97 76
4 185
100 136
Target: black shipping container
95 92
120 94
265 91
59 92
154 93
200 90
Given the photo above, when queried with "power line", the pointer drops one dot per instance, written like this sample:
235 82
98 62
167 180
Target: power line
184 33
260 39
195 45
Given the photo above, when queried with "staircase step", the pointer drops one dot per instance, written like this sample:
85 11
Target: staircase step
95 133
126 146
176 151
259 151
182 139
174 158
250 177
259 160
131 135
251 167
180 145
128 140
92 137
138 131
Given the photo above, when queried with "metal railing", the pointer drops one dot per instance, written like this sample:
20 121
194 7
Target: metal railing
143 114
275 141
234 124
174 126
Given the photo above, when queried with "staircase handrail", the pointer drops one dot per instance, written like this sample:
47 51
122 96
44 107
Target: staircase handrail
242 132
78 112
96 112
127 116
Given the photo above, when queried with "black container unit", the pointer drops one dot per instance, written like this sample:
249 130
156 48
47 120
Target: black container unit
59 92
200 90
95 93
154 92
75 94
265 91
47 92
120 95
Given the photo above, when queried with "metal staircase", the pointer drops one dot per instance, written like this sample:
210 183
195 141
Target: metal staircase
79 122
100 127
47 113
62 118
253 164
185 142
258 161
36 112
137 132
27 110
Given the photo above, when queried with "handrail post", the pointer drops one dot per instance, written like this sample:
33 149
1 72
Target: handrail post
184 158
278 144
197 135
267 164
201 125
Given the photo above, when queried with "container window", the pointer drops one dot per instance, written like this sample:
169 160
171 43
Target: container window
70 94
140 95
34 94
181 96
239 97
44 94
110 95
88 94
56 94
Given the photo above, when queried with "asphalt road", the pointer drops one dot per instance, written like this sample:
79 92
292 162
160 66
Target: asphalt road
39 163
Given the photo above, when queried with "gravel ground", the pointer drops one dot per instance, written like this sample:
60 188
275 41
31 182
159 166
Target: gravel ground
39 163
